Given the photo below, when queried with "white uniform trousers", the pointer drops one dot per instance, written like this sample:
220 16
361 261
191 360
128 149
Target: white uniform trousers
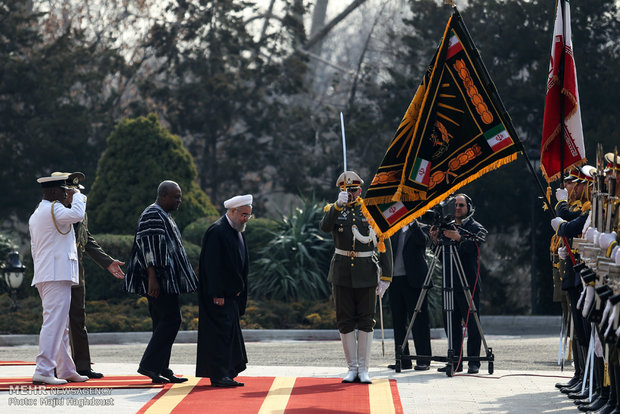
54 346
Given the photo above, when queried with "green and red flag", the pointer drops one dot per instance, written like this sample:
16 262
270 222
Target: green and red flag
454 131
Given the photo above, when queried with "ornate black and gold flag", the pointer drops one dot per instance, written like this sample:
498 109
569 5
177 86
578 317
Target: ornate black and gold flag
454 131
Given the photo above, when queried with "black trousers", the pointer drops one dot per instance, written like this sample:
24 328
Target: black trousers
459 314
403 299
166 316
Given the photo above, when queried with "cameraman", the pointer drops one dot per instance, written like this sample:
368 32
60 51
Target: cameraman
463 234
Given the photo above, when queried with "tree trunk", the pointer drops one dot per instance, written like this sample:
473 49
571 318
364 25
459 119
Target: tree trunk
329 26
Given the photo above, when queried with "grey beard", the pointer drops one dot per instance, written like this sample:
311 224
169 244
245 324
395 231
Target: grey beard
239 227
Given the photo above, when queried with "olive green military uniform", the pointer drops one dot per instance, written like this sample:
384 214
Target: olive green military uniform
354 278
77 312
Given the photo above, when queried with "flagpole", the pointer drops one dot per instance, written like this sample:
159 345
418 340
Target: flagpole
561 79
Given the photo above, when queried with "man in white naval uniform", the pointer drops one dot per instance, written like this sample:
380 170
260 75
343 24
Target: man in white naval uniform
54 254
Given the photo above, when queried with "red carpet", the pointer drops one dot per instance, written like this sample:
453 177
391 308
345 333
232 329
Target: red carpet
278 395
3 363
115 381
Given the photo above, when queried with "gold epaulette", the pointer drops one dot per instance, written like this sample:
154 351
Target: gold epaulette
328 207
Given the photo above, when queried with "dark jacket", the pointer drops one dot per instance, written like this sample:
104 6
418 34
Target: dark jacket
355 272
414 255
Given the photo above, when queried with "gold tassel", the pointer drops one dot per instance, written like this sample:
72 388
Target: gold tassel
570 350
381 245
548 196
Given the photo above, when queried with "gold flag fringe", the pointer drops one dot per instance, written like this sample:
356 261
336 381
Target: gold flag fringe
438 199
559 173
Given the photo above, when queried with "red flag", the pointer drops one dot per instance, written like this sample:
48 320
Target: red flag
562 110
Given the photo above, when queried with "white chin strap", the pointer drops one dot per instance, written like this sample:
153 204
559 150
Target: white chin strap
372 237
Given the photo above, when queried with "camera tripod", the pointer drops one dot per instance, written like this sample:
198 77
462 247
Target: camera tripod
449 255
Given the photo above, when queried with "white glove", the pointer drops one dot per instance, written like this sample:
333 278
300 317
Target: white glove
561 194
611 316
562 253
555 223
382 287
605 239
581 299
589 236
597 234
343 198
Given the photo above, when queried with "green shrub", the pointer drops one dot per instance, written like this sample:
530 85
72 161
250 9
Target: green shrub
259 232
305 314
293 265
140 154
194 231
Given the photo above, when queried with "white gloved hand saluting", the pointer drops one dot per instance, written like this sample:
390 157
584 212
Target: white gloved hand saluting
382 287
555 223
561 194
343 198
562 253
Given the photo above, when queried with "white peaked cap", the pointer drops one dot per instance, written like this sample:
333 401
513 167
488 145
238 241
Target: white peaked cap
238 201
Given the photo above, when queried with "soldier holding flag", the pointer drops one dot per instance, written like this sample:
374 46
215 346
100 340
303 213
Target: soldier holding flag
358 274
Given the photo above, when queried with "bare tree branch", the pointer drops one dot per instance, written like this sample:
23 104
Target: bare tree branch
329 26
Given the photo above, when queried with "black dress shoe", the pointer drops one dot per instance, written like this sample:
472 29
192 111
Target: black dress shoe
596 395
445 368
473 370
574 388
90 374
595 406
225 382
154 376
578 395
173 379
169 375
422 367
568 384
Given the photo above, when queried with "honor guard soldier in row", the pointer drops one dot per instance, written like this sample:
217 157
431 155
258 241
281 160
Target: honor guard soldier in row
358 274
573 204
566 195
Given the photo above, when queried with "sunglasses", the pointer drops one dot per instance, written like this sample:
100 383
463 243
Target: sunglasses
352 189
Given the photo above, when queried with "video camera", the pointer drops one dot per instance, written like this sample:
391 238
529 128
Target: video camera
441 215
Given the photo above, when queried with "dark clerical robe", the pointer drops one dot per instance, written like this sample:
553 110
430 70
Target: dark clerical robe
223 273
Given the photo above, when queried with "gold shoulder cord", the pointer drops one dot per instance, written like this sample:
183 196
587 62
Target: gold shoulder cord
55 224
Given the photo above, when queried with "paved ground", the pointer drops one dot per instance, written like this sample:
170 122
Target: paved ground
524 374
